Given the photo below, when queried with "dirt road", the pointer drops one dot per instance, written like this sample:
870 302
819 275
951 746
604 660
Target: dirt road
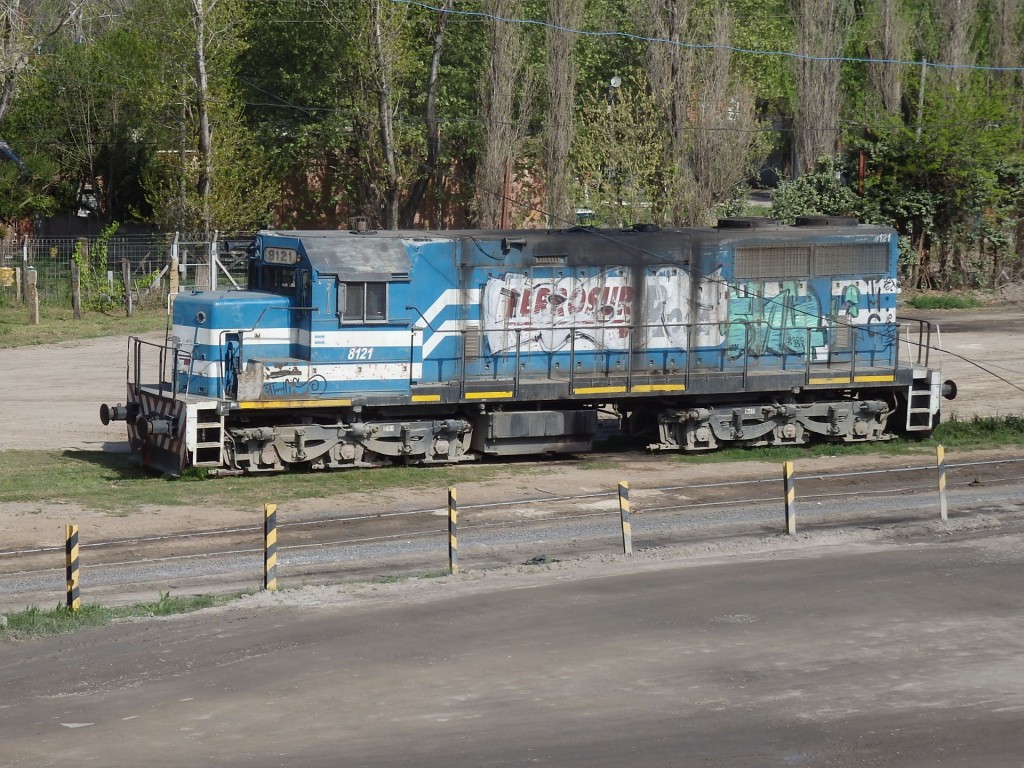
903 653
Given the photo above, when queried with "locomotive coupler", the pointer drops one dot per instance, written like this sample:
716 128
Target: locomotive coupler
153 425
109 413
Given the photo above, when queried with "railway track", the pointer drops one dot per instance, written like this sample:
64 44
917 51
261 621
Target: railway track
534 528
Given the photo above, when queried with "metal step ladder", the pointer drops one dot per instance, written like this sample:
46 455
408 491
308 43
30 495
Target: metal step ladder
209 438
923 400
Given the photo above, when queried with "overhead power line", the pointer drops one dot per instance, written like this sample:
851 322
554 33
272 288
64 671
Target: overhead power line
696 46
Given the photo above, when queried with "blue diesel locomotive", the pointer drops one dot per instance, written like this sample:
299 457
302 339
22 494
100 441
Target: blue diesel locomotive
360 349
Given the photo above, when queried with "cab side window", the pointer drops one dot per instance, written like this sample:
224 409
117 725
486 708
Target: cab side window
363 302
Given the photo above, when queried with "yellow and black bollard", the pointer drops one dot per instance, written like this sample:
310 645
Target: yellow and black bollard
453 538
940 465
270 547
627 529
72 567
790 493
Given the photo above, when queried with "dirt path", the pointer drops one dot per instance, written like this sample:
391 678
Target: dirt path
50 395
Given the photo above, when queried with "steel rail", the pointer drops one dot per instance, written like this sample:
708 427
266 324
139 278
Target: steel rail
519 502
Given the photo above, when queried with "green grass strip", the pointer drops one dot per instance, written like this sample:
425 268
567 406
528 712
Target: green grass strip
36 622
57 324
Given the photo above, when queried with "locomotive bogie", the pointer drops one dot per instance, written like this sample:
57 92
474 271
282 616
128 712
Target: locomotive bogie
353 350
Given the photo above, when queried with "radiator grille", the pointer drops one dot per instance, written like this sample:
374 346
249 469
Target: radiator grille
859 259
754 262
473 340
757 262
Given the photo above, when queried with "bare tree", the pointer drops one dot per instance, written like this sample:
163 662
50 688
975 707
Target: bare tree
821 29
1006 47
380 35
958 20
562 15
507 91
892 31
670 71
726 138
200 9
24 28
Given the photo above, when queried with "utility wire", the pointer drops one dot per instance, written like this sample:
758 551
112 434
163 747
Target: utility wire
698 46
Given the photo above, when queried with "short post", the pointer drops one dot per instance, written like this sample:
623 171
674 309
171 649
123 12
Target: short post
19 282
173 276
74 601
627 531
126 280
23 292
453 538
270 547
32 295
790 494
76 290
212 250
940 465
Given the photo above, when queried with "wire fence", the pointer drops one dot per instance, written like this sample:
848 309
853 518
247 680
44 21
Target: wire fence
146 259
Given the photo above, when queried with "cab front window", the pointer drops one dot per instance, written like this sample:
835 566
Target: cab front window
277 279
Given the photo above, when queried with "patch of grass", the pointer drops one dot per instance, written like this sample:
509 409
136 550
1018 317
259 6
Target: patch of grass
112 483
57 323
406 577
981 431
942 301
35 622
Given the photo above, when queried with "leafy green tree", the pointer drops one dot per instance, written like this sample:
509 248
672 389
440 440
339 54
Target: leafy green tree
617 153
942 187
195 183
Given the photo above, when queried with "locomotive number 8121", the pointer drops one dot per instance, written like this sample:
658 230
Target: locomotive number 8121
365 349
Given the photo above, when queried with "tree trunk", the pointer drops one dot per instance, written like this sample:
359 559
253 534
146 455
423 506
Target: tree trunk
562 15
821 29
384 66
504 109
959 20
891 35
670 71
202 106
432 172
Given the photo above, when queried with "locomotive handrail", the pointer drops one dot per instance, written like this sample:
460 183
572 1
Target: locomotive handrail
925 328
758 336
165 382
